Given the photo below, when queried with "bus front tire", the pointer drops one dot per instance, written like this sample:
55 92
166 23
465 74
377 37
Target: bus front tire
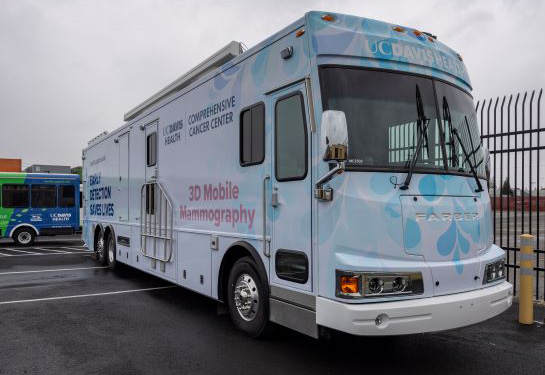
24 236
102 257
248 298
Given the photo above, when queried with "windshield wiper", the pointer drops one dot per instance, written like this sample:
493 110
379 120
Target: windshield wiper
468 159
454 134
422 125
447 119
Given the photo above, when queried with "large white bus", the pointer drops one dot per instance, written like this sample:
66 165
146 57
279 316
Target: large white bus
331 177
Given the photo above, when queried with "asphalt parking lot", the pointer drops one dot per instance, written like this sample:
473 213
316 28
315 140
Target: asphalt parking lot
60 313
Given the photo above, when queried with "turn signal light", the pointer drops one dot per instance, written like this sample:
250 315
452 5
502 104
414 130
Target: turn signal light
299 33
349 285
417 33
399 29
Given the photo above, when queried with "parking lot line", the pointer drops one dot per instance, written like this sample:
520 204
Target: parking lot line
48 249
18 251
73 248
44 254
88 295
59 269
6 255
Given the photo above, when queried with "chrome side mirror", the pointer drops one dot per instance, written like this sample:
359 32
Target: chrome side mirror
334 140
334 135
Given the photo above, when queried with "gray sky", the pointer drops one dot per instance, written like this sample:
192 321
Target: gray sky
70 69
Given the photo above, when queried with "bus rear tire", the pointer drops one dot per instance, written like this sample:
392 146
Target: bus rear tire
248 298
111 251
24 236
100 248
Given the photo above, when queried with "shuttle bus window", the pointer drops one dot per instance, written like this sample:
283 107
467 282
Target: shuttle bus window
15 196
151 149
67 196
252 135
43 196
290 139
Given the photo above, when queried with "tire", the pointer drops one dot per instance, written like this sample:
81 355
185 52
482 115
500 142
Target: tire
100 249
24 236
248 298
111 252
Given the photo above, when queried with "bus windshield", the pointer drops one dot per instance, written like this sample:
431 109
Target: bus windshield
384 123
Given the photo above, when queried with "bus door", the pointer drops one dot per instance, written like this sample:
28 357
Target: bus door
291 194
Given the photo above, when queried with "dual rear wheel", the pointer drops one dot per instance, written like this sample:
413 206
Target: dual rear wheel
106 251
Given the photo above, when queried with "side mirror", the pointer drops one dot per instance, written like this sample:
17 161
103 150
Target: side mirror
334 136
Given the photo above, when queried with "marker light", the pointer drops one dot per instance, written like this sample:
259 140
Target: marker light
494 271
417 33
299 33
399 29
378 284
328 18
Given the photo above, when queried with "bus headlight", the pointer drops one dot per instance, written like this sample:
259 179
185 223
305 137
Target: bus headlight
377 284
494 271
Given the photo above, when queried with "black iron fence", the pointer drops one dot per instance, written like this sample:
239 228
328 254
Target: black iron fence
511 129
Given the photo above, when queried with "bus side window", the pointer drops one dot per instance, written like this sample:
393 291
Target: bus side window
43 196
15 196
252 135
151 149
290 139
67 196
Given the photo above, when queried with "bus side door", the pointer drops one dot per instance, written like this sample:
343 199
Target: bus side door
291 195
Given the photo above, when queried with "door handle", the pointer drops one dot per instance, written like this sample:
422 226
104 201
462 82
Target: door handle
274 197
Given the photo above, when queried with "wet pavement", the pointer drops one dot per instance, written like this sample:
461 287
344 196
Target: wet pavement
61 313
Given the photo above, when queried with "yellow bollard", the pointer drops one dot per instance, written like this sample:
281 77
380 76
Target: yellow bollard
526 300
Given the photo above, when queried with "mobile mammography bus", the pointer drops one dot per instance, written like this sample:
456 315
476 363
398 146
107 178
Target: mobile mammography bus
331 177
38 204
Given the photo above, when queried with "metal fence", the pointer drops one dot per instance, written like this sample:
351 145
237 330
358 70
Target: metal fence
511 129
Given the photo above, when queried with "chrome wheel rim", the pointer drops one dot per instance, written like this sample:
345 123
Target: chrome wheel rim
111 250
246 297
24 238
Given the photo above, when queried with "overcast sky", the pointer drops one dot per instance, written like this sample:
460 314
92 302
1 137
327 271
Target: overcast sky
70 69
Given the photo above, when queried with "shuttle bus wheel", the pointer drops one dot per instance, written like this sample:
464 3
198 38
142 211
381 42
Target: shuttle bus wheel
24 237
248 298
102 258
112 262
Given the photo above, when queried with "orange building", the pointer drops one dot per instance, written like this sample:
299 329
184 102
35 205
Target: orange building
10 165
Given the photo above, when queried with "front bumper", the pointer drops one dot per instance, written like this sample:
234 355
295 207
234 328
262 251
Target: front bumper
416 315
